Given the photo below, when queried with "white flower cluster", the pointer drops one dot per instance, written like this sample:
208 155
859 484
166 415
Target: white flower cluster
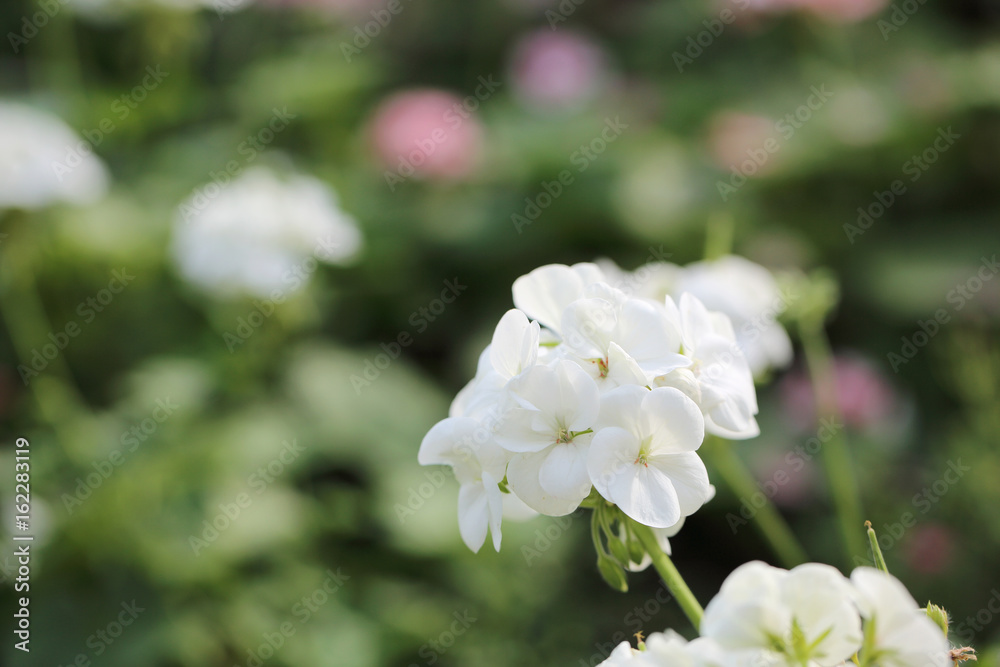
744 291
811 616
585 386
35 170
261 234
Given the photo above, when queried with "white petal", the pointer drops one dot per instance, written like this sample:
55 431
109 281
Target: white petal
563 473
673 420
545 292
613 451
622 407
473 514
647 495
689 478
515 344
494 504
587 326
523 478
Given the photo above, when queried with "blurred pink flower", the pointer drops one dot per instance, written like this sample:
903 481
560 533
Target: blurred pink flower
428 133
734 137
930 548
347 9
863 394
788 478
555 70
835 11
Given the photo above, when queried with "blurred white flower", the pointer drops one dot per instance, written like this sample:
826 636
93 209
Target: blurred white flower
261 235
749 295
42 161
901 634
797 617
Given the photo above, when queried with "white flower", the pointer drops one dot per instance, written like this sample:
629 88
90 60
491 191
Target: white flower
749 295
261 235
622 656
669 649
545 292
545 431
642 457
901 633
478 464
515 344
41 161
619 339
718 379
797 616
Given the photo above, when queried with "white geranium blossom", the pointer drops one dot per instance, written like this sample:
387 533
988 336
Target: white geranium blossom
748 294
548 432
44 162
620 339
642 457
587 387
804 615
478 464
545 292
718 377
901 634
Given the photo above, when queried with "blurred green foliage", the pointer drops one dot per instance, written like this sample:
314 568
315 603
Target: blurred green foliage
336 506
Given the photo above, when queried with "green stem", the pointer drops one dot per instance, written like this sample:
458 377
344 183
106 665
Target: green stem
876 550
668 572
768 520
719 235
836 457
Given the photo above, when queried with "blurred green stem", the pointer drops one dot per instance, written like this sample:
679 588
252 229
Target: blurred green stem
668 572
719 235
836 457
27 326
768 520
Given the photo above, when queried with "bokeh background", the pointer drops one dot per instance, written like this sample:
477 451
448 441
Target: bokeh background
685 93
